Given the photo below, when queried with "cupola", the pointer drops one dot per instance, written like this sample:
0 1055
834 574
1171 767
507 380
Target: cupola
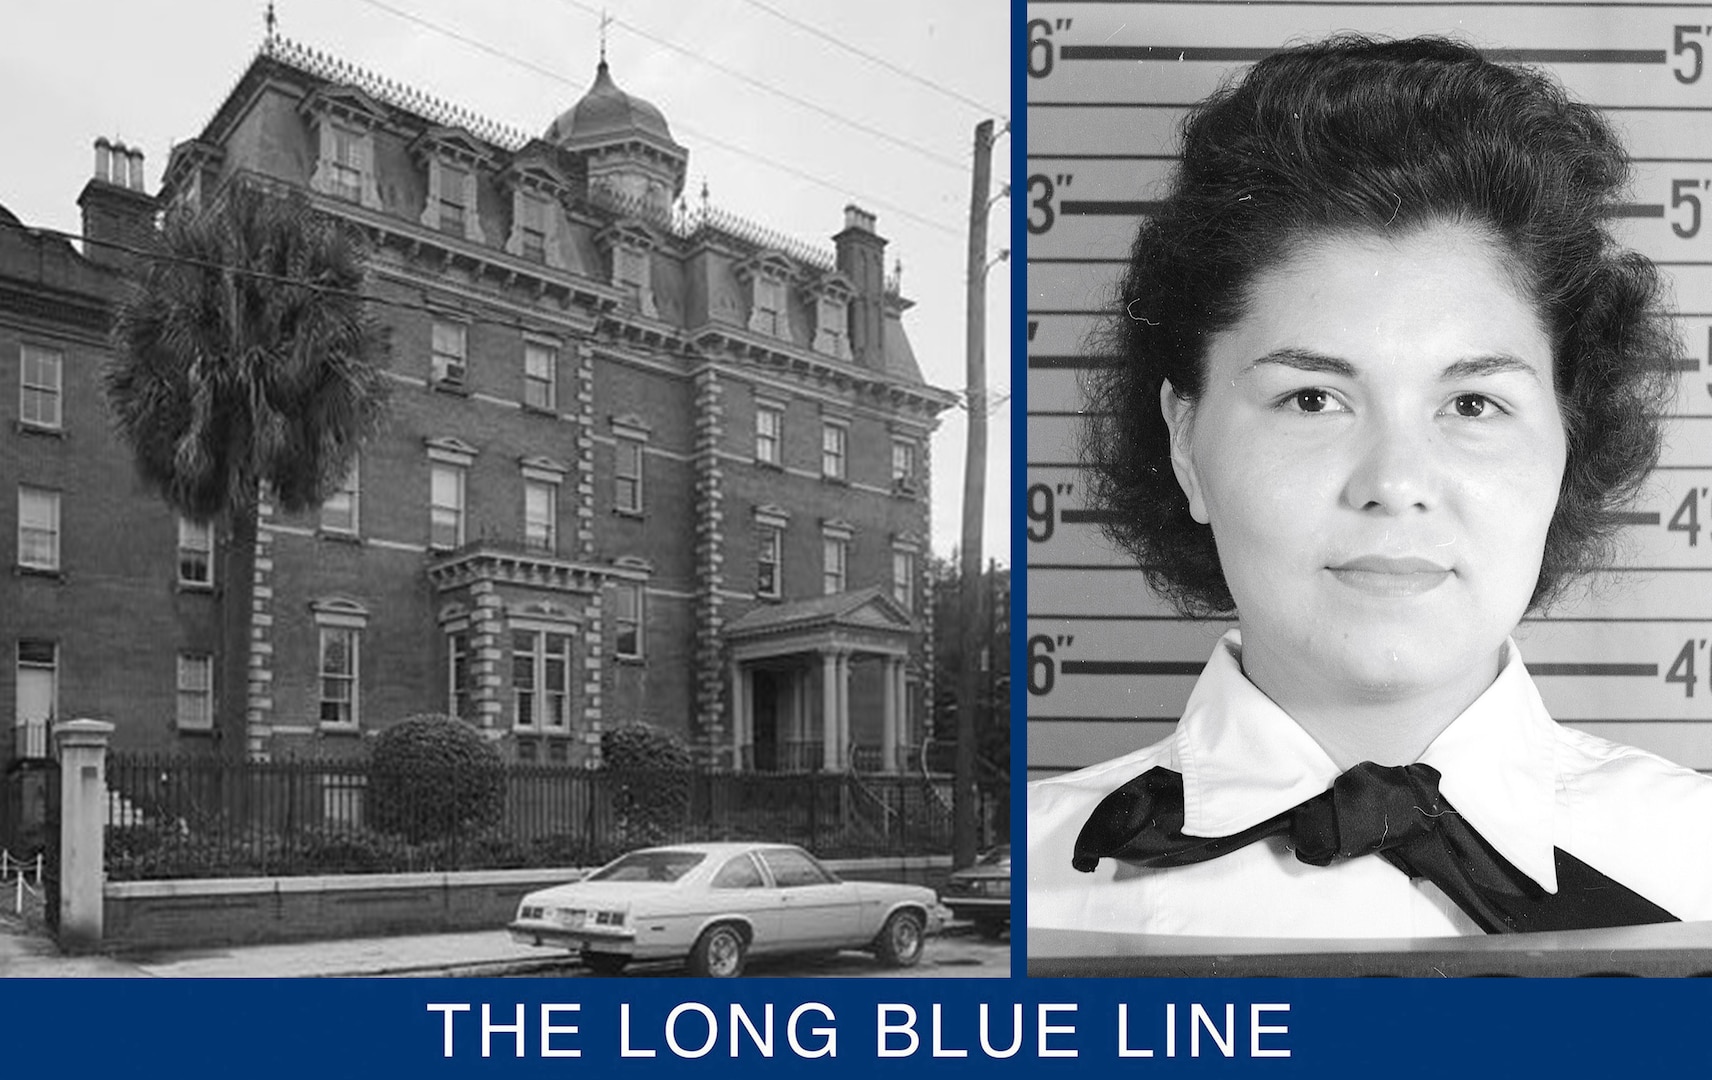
626 142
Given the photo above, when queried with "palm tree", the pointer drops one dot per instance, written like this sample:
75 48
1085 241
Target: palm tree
245 355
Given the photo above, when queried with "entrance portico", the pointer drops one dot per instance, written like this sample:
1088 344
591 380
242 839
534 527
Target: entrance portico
809 679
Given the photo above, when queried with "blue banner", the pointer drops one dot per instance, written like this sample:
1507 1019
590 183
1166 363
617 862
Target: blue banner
835 1027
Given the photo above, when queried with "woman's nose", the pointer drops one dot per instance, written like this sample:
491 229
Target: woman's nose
1396 468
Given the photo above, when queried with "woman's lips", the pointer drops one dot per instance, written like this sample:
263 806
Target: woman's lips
1389 575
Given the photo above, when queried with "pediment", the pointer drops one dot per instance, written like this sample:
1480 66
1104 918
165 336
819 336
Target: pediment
627 232
771 264
452 449
544 464
868 609
834 285
452 143
878 612
347 103
535 169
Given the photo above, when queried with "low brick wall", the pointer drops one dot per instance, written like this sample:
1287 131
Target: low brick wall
143 915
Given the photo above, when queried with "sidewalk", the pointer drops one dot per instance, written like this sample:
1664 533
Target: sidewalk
24 954
28 955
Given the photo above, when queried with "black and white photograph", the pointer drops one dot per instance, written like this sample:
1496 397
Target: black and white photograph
505 490
1368 358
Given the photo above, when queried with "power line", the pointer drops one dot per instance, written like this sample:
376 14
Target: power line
931 155
895 69
926 222
491 50
501 54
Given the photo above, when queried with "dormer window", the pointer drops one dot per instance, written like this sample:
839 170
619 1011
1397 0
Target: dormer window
349 163
627 244
768 316
452 162
451 200
768 276
630 273
193 168
538 190
344 119
832 295
532 227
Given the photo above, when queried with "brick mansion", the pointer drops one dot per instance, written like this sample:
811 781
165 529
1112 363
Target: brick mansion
644 460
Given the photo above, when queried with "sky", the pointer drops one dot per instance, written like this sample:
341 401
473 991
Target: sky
783 116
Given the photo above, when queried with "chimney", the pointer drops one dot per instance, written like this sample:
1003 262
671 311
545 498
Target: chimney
116 209
862 259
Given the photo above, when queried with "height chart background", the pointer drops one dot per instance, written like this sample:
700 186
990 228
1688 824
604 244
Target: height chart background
1109 665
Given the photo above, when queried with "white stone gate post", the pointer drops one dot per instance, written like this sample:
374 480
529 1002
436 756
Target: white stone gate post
82 825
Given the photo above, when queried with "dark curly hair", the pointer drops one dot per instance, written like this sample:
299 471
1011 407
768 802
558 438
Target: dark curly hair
1354 135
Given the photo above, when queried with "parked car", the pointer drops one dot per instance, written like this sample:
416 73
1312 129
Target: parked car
982 892
715 905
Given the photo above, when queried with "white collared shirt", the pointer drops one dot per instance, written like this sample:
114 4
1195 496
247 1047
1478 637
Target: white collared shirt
1522 781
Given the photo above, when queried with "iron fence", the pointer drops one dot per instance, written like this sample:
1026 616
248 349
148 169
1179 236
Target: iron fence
179 817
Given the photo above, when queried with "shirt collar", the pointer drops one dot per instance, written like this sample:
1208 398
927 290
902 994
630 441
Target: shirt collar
1244 760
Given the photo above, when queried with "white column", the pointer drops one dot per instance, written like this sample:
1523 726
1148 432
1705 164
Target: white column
740 719
843 710
906 734
829 703
890 669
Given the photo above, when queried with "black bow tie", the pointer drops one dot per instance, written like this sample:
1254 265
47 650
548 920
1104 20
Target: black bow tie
1395 812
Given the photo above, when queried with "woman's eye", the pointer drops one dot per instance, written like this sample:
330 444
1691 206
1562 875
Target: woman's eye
1311 400
1472 406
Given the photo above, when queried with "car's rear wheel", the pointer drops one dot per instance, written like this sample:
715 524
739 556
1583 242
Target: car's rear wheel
605 963
900 942
991 928
719 953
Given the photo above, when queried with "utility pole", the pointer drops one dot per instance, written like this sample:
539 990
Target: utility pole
965 798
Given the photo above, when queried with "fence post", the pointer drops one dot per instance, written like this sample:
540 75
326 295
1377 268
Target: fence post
83 818
814 811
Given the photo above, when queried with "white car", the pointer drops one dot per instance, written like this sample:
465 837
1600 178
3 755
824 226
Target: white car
718 904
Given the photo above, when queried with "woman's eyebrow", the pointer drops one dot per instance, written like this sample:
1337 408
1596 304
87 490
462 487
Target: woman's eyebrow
1307 360
1468 368
1493 364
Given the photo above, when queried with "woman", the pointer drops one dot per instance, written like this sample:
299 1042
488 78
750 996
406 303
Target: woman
1380 384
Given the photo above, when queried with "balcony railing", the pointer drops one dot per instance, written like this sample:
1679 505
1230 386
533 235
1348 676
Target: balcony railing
30 740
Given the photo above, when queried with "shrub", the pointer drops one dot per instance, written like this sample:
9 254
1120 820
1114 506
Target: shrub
432 777
639 746
650 782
